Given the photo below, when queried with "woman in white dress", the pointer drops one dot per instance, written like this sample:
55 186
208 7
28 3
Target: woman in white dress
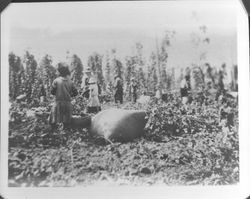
93 102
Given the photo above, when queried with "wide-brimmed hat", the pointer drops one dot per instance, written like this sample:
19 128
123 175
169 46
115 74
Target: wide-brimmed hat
92 80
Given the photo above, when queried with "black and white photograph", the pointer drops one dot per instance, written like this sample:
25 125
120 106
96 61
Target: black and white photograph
117 94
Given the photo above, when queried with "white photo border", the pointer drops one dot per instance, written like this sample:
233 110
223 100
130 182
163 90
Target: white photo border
231 191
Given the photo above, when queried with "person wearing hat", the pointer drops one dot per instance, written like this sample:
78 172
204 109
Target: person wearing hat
85 82
185 88
118 90
93 102
63 89
133 89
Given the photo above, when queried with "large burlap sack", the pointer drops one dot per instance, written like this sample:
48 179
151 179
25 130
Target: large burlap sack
118 124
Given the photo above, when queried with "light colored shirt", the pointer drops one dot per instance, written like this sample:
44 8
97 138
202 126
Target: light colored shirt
93 96
183 83
158 94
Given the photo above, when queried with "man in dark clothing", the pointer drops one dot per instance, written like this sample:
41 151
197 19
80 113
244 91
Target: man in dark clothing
42 94
118 90
133 90
85 83
221 89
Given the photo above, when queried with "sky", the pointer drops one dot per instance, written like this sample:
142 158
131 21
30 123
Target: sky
86 27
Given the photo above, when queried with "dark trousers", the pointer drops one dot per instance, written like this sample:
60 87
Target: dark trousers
118 97
134 97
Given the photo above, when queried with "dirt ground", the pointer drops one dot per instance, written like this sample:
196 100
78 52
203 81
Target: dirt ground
38 157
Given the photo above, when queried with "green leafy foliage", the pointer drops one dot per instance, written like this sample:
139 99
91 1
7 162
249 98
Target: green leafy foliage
47 72
107 72
152 78
16 76
30 76
199 139
76 69
183 145
95 63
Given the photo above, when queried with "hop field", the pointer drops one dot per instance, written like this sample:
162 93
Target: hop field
193 144
182 145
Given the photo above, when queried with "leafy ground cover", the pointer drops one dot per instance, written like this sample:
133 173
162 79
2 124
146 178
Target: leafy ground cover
183 145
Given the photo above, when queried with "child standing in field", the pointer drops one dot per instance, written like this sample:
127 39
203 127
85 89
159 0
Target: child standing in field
63 89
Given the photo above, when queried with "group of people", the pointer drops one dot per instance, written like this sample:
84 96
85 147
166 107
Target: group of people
64 89
118 88
210 88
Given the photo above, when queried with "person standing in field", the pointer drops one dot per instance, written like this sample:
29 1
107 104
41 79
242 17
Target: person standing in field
85 82
133 89
158 93
185 89
42 94
63 89
93 101
220 85
118 90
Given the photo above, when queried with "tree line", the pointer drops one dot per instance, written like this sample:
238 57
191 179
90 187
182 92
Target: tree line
26 75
